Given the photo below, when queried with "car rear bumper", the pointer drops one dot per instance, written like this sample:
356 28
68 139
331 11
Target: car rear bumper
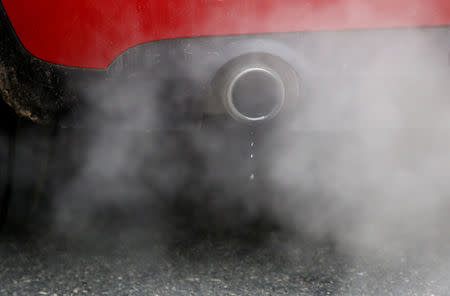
169 83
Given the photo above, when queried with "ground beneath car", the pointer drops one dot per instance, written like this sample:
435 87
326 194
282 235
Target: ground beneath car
141 260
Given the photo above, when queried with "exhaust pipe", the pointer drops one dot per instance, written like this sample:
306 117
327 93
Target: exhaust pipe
253 94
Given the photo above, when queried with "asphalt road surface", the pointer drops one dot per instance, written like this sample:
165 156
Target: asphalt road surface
144 259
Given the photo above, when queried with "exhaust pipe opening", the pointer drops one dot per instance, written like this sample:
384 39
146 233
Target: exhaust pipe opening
254 94
255 88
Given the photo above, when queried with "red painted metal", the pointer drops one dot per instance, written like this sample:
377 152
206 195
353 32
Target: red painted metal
91 33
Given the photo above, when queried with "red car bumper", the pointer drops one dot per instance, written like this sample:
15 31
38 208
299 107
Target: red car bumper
135 45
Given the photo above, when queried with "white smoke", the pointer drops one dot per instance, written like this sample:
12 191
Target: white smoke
365 161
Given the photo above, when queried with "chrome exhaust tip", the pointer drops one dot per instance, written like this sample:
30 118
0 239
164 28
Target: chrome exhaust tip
254 94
